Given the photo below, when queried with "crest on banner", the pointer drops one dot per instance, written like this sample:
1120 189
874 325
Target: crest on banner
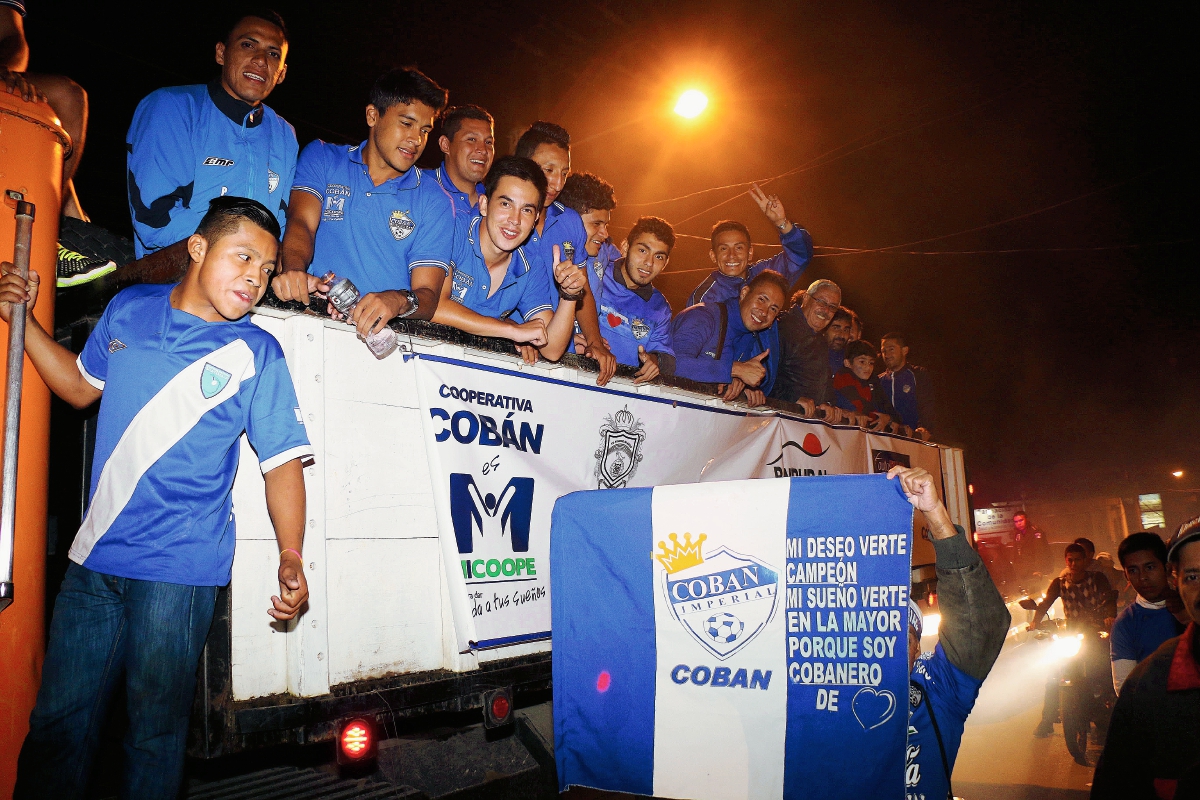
621 439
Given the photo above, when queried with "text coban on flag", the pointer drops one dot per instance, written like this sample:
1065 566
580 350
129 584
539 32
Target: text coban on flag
743 639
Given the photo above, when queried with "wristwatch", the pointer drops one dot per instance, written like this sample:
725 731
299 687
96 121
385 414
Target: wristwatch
413 304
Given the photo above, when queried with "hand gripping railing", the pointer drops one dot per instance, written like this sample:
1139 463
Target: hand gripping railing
12 403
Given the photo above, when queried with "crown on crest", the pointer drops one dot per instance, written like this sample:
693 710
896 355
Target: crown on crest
623 418
680 557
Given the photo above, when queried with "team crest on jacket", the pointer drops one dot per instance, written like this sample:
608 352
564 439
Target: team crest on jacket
722 598
621 439
401 225
640 329
272 181
598 268
213 380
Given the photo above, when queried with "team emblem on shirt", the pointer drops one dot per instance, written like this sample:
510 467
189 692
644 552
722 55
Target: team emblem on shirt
640 329
272 181
335 202
115 345
906 389
213 380
621 438
598 268
401 225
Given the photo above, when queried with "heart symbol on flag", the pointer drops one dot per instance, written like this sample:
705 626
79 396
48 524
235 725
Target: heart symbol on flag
614 321
873 708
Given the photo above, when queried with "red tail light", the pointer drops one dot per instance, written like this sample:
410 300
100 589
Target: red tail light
497 708
356 742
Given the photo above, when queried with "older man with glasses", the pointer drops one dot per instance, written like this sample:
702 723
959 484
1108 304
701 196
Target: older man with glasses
804 357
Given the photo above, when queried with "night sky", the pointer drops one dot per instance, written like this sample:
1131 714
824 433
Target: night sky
1066 349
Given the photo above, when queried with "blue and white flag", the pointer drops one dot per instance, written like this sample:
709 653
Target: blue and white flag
733 640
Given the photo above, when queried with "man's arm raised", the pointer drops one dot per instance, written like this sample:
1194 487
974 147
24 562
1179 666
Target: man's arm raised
55 363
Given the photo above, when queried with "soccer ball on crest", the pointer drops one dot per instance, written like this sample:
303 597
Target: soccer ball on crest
724 627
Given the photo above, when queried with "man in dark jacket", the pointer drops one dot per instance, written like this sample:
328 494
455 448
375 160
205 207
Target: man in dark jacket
944 683
908 387
1153 746
804 361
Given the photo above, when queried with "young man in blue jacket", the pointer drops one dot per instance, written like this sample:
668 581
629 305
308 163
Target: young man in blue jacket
181 373
734 343
366 213
732 253
189 144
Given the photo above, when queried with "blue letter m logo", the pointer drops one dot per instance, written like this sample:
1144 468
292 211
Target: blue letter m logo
476 514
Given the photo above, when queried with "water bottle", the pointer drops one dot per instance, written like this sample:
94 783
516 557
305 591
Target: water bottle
344 296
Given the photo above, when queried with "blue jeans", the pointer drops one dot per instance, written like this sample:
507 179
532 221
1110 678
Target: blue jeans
105 628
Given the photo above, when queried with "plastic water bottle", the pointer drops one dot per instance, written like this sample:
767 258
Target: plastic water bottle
344 296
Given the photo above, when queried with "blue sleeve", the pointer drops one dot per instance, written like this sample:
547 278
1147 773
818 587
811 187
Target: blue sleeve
697 295
433 240
536 294
660 334
792 260
275 425
161 166
576 235
1123 645
93 361
693 332
958 690
309 175
287 177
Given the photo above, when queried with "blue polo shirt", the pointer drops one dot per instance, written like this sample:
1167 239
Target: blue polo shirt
562 225
462 201
1139 630
189 144
524 291
178 394
374 235
629 318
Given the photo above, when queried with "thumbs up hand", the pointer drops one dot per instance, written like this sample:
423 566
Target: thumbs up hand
752 371
649 370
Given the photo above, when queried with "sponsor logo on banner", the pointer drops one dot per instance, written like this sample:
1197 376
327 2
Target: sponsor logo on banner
723 599
488 518
401 225
883 460
621 438
811 446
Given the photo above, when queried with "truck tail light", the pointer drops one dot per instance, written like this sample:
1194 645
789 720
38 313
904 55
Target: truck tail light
356 742
497 708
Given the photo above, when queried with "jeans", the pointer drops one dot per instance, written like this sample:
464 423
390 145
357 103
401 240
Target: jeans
105 628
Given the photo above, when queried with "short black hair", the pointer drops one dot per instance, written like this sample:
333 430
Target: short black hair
453 119
1142 540
516 167
266 14
895 337
1087 544
657 227
226 213
542 132
1074 547
406 85
728 225
586 192
772 277
859 347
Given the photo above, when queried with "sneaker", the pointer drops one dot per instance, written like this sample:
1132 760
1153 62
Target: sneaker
76 268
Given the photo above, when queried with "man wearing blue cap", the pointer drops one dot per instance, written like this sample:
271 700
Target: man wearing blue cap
1153 746
943 684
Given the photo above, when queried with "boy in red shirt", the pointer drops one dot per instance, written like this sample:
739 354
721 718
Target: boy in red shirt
857 389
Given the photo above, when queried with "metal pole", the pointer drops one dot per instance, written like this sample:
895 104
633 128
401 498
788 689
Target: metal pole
12 406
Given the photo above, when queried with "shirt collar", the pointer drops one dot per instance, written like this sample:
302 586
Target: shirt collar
405 180
518 265
736 326
1185 672
237 111
1144 603
618 268
444 180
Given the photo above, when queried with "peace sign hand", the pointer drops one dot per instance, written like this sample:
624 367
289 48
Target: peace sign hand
771 207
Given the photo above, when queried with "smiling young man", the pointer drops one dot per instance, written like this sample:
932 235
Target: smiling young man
734 343
189 144
181 373
804 353
364 213
468 142
1155 616
499 288
732 253
637 318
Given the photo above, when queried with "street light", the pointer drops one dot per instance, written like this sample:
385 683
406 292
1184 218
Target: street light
691 103
1178 473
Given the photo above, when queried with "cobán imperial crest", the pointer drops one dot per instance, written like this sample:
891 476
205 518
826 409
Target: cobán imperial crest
621 439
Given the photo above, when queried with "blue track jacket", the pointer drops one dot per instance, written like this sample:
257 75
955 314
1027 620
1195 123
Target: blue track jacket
789 262
707 345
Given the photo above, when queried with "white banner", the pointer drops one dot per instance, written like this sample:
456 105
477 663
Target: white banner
504 445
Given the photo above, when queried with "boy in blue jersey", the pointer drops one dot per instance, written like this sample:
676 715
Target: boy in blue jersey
189 144
1155 616
732 251
733 343
497 287
592 198
550 146
181 373
365 213
637 318
944 684
468 141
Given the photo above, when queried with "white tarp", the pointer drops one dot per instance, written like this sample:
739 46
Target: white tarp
504 445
